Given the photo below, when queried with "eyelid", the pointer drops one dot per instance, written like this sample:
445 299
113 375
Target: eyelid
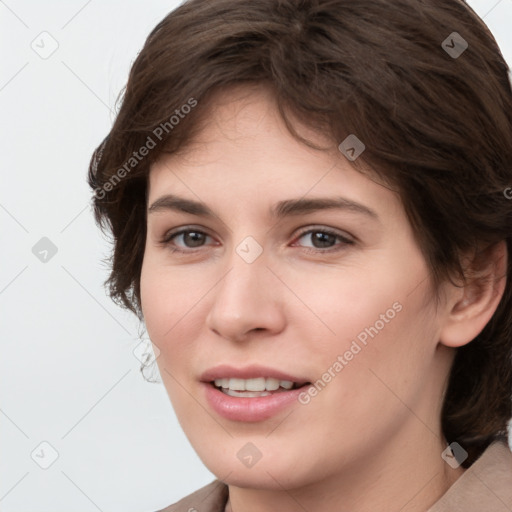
332 231
168 235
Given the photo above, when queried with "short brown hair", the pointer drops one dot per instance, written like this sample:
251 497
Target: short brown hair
433 108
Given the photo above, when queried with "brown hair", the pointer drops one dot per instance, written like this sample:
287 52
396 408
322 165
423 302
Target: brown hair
437 125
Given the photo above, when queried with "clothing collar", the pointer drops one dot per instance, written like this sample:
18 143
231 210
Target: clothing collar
485 486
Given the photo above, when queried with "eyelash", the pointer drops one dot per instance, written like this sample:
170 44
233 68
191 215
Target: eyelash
166 241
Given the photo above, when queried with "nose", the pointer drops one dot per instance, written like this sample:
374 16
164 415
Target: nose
246 300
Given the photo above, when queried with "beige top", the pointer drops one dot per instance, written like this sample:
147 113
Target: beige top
486 486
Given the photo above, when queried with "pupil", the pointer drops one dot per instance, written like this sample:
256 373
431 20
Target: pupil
321 237
197 237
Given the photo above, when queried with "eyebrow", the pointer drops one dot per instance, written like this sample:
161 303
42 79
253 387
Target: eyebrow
286 208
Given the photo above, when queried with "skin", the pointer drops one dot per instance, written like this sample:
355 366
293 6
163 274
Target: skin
371 439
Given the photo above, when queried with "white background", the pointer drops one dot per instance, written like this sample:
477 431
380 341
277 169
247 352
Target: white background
68 373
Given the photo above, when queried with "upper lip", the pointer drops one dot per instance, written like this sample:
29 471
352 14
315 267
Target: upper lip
225 371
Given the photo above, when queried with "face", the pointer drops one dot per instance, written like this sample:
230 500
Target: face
334 297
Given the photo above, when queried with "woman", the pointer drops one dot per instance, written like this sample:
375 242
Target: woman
309 205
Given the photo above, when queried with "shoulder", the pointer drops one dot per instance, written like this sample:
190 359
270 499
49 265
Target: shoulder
210 498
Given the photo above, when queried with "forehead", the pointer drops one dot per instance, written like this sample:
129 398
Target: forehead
245 117
245 152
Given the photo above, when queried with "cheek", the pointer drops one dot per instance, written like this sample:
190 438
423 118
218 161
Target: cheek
165 293
381 360
172 300
376 320
347 304
154 303
160 304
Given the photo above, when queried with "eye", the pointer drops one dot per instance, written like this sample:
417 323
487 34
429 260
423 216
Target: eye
192 238
324 239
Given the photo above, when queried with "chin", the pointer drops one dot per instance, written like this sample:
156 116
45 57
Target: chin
275 481
262 475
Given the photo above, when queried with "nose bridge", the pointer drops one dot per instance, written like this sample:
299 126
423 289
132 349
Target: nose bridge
241 287
244 299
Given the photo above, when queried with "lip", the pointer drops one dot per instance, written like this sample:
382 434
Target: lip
224 371
249 409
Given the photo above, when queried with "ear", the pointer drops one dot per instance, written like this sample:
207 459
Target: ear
472 306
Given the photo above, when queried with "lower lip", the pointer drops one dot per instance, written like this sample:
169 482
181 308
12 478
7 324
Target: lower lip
249 409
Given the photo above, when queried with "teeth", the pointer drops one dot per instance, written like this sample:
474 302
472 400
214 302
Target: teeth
246 394
256 384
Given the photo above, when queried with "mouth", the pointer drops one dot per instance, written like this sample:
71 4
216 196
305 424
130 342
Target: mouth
255 387
252 393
